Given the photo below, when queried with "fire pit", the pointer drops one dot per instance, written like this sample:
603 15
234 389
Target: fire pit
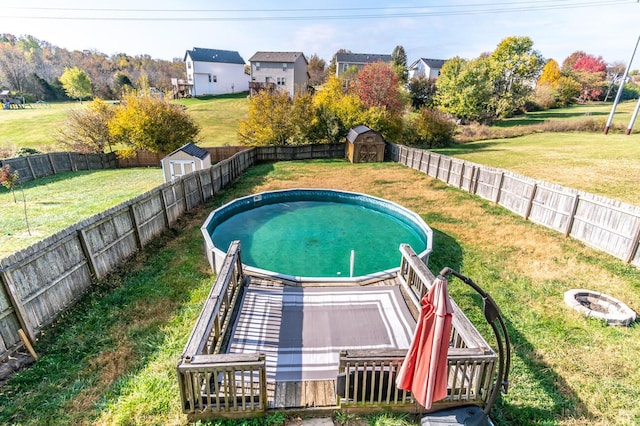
598 305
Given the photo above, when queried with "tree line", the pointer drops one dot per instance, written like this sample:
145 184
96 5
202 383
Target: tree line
512 79
32 68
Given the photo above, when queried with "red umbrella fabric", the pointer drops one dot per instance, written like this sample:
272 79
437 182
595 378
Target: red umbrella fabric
424 370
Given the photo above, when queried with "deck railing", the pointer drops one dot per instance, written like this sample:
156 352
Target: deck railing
210 381
368 378
235 385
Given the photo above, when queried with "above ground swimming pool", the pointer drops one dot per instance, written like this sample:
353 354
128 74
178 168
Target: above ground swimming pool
315 234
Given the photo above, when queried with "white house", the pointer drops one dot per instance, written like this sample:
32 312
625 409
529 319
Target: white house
279 70
358 60
215 72
425 67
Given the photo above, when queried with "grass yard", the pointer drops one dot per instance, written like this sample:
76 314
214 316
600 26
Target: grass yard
604 165
55 202
111 360
38 127
218 117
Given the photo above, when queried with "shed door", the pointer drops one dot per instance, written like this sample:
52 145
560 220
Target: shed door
179 168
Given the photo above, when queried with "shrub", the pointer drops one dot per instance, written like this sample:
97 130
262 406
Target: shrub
87 130
151 123
24 151
431 128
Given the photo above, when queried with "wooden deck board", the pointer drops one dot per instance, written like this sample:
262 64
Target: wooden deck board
306 394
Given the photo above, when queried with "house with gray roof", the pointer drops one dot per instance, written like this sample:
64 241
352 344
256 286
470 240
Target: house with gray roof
345 61
425 67
215 72
279 71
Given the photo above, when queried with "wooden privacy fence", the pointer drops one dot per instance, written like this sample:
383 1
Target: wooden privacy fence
33 167
604 224
39 282
42 280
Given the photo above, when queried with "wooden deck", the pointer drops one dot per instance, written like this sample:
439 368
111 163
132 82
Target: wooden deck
214 383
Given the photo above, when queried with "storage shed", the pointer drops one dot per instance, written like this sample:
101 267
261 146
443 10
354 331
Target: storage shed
184 160
364 145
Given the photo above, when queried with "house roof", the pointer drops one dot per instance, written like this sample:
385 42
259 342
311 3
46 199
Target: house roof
361 58
198 54
193 150
288 57
431 63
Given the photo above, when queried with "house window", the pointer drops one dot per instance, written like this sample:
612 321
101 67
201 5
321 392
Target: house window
257 66
189 65
281 81
209 78
215 78
284 67
190 77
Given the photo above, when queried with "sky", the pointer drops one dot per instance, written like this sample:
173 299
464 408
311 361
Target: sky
438 29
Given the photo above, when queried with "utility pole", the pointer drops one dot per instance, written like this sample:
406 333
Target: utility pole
621 88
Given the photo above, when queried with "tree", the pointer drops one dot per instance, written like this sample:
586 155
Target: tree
268 121
515 66
465 89
550 73
590 71
567 64
76 83
336 111
151 123
377 85
14 67
399 60
422 91
87 130
317 71
9 179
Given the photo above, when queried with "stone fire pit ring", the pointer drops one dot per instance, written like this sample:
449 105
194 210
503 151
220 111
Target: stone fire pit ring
601 306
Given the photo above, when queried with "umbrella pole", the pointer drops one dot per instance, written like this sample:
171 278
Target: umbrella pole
496 321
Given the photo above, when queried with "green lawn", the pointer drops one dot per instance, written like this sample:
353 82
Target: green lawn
111 359
218 117
606 165
56 202
38 127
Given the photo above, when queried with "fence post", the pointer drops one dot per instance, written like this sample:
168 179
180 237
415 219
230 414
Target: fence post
461 175
82 236
449 170
33 174
136 227
634 244
499 188
572 215
165 208
18 307
438 166
53 166
530 205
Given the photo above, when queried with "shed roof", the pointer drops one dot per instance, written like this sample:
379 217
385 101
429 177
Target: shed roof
200 54
354 132
289 57
361 58
193 150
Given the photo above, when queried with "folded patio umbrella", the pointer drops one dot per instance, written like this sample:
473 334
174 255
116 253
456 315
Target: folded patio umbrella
424 370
